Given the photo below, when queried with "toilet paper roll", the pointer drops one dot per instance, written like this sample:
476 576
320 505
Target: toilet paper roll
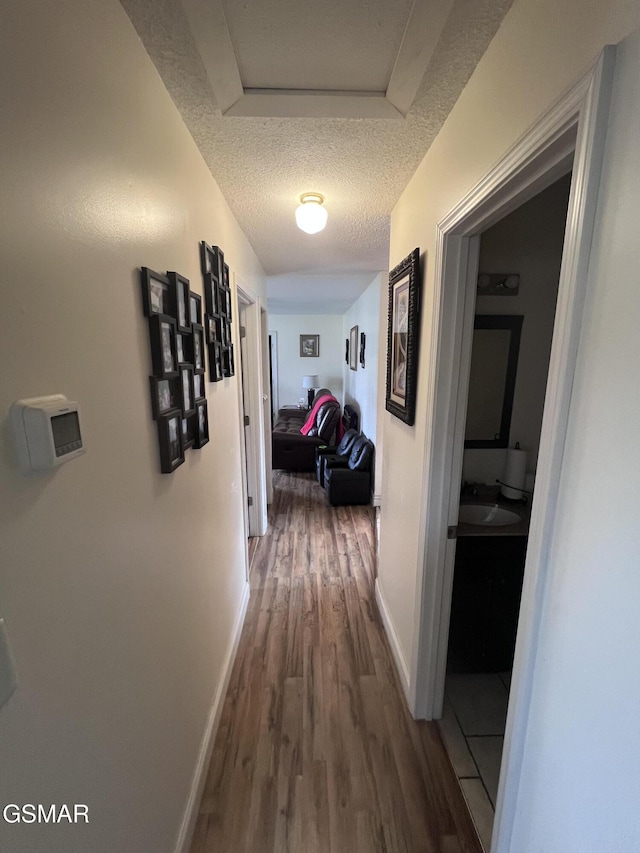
515 473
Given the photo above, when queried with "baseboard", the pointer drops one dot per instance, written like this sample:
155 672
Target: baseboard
377 500
204 756
392 636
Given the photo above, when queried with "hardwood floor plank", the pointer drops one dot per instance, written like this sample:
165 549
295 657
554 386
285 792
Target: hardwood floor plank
316 750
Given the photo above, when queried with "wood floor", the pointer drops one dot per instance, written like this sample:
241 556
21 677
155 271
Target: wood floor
316 751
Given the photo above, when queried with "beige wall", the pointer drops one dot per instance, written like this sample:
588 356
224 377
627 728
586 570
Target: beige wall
541 49
120 586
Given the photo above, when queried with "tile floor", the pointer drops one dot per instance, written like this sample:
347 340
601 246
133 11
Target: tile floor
472 726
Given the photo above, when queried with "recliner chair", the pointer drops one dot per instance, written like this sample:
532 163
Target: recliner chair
351 484
333 455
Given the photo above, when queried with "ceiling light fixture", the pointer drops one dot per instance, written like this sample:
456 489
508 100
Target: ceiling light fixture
310 215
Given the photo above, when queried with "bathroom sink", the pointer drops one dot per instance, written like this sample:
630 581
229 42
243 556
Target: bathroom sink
487 515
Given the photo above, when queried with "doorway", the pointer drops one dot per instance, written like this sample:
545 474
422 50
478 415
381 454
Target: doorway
515 303
570 135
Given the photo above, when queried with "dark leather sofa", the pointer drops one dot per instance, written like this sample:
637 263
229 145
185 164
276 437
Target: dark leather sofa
293 451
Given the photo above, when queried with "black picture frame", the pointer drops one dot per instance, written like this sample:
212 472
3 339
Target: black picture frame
346 350
363 342
215 363
198 387
228 361
225 275
156 294
188 432
195 308
162 336
201 418
208 259
402 338
170 441
182 349
164 396
197 350
211 294
186 390
353 348
179 290
309 346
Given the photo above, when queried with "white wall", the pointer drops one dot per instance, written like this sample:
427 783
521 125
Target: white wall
586 691
361 385
529 242
291 367
583 728
120 586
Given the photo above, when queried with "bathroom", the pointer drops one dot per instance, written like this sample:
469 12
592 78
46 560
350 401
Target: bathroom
519 268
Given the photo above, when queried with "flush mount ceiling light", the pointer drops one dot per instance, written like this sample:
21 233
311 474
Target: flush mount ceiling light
310 215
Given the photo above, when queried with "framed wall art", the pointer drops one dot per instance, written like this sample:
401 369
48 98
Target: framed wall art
402 338
156 295
162 336
170 441
353 348
164 396
179 293
363 341
309 346
201 421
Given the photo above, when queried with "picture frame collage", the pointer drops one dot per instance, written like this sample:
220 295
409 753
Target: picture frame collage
218 312
177 388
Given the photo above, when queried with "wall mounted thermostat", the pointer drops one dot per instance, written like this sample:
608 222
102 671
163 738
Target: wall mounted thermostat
47 432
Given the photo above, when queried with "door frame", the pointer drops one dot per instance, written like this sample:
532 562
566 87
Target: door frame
251 379
570 135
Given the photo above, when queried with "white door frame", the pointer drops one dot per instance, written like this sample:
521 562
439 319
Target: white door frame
256 480
573 131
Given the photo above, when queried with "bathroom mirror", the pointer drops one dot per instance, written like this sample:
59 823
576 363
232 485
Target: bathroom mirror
494 364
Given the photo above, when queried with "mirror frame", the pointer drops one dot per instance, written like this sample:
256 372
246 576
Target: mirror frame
513 322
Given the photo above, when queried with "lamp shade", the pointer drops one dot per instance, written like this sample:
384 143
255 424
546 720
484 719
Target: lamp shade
311 217
311 381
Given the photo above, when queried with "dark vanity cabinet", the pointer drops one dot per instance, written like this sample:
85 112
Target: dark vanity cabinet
487 585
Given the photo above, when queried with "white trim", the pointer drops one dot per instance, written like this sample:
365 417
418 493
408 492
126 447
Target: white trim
394 643
183 843
303 103
577 122
251 376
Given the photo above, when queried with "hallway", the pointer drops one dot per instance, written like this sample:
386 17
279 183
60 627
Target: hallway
316 751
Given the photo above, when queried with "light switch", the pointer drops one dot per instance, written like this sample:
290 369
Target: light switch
8 680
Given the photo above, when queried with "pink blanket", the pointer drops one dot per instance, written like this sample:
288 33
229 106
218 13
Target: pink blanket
310 421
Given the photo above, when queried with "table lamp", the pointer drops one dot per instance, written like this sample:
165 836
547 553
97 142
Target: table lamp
310 382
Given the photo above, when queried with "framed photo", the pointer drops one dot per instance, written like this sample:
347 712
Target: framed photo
228 363
188 432
402 338
198 387
353 348
363 340
179 294
187 400
215 363
225 276
208 259
170 441
156 296
195 308
164 396
309 346
218 269
346 351
211 294
198 348
181 349
201 425
164 357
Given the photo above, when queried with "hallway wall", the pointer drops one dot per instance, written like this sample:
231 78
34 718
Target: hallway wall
572 752
120 587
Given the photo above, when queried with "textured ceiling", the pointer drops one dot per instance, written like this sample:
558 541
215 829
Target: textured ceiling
263 165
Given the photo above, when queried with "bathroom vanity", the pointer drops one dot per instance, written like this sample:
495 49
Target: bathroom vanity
487 586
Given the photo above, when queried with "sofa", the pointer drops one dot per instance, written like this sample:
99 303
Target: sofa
292 451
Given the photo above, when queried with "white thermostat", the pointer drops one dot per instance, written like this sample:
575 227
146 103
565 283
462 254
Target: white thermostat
47 432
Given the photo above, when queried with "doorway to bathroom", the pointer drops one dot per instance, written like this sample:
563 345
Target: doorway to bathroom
519 263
